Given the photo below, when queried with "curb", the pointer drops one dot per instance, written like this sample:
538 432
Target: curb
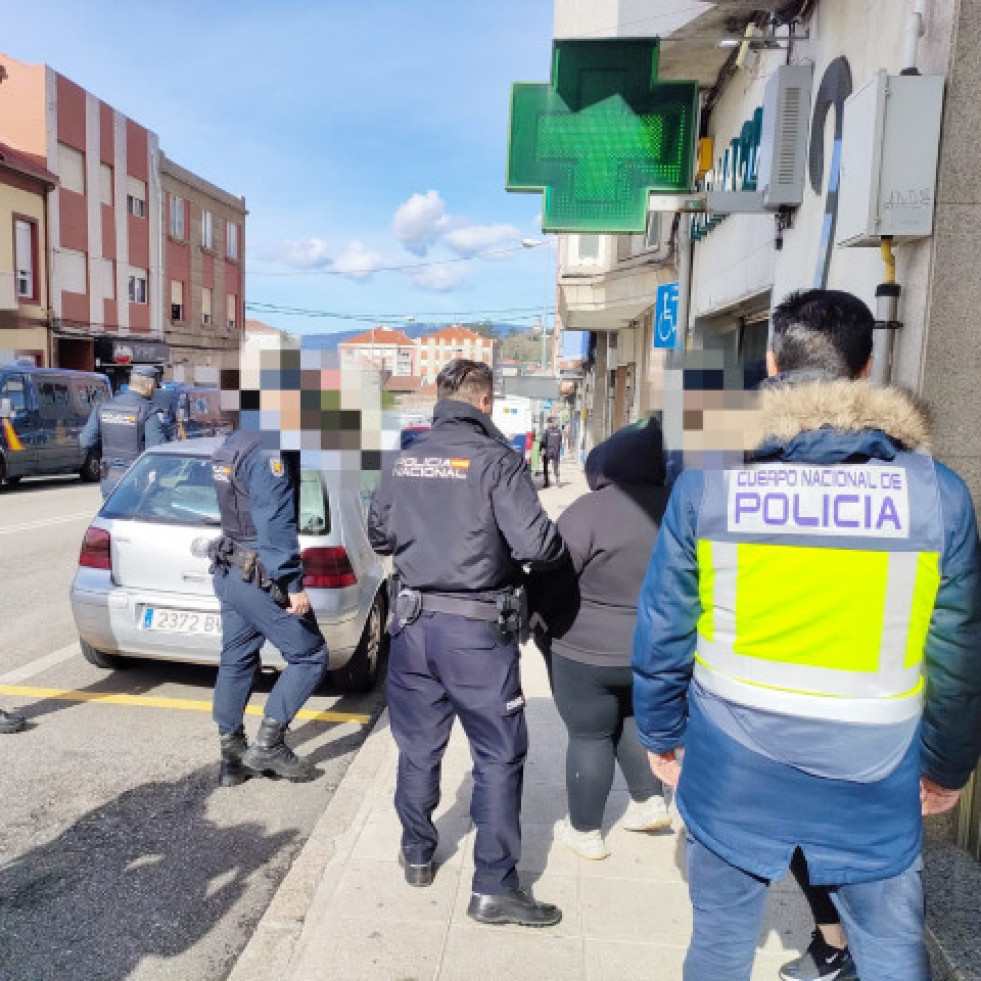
276 939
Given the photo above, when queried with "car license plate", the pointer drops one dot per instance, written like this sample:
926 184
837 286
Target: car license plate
181 621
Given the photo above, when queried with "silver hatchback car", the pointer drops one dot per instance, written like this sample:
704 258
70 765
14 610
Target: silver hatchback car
142 588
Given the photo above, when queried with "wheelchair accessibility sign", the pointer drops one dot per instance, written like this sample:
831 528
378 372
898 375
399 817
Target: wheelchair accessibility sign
666 316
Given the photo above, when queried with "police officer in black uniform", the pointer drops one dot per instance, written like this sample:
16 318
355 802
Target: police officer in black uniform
258 578
124 426
459 514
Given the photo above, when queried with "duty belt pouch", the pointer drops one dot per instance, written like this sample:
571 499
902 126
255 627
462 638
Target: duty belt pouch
408 606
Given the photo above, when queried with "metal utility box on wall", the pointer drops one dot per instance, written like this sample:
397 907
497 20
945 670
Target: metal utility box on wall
783 142
890 146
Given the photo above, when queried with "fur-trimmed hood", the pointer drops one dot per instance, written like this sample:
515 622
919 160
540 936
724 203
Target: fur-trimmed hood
789 410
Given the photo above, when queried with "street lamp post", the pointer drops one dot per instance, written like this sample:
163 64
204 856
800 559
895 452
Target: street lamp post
534 243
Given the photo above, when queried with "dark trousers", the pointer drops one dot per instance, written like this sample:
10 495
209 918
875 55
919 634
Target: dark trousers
444 666
249 617
554 461
596 705
818 897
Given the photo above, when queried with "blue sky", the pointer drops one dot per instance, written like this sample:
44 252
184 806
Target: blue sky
363 134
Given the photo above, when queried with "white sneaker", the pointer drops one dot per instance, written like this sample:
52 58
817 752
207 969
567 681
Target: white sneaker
586 844
650 815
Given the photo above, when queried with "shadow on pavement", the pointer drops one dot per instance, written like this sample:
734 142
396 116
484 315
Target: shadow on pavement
147 874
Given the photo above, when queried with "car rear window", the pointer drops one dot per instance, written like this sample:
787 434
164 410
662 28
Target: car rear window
179 490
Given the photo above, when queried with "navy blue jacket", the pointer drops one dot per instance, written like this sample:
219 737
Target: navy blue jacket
272 503
458 511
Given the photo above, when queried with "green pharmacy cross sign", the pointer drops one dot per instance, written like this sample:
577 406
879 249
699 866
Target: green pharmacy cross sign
602 136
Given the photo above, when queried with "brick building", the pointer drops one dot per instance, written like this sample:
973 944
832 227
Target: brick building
205 274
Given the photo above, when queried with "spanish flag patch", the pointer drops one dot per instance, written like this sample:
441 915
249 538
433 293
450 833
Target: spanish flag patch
460 464
276 466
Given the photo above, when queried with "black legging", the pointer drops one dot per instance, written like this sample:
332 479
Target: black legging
596 705
818 897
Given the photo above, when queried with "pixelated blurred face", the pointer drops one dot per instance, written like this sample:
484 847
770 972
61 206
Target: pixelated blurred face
285 402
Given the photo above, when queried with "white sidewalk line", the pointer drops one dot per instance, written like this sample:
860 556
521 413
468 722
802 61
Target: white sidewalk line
46 522
40 664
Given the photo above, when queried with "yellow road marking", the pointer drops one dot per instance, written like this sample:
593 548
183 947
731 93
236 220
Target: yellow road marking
183 704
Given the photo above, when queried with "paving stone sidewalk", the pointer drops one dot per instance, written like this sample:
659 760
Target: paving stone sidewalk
345 912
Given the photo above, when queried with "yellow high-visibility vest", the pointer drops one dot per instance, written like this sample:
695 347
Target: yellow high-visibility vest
808 629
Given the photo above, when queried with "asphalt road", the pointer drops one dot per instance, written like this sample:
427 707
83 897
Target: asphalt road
120 857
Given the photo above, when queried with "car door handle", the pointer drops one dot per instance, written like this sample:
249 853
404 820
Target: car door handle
193 577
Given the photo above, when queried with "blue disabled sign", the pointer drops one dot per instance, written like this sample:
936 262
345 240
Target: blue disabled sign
666 316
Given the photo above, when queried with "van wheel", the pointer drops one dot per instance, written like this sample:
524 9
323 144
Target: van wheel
6 481
90 471
360 674
100 658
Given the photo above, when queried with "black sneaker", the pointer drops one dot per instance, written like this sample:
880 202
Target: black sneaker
10 723
820 962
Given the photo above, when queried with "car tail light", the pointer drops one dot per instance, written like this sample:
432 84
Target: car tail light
95 553
327 568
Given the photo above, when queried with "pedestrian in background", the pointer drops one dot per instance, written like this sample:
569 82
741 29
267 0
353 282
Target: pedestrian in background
122 427
551 449
832 591
589 613
459 514
258 579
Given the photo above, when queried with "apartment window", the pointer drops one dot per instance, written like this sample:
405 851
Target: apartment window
26 258
231 302
105 184
137 286
207 230
206 317
176 300
232 244
589 249
72 270
136 197
176 216
108 268
71 168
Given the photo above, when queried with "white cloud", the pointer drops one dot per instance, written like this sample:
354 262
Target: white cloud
440 279
420 221
468 240
311 253
358 261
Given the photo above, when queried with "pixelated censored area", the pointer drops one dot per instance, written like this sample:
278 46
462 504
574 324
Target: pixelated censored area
300 401
719 404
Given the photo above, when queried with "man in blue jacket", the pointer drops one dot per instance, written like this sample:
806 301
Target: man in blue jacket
809 638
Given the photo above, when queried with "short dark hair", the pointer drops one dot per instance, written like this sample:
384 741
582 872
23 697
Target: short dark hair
466 380
828 330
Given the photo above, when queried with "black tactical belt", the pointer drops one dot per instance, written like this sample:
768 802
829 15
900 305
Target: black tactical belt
459 607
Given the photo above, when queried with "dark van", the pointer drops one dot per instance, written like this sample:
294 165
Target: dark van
196 410
42 412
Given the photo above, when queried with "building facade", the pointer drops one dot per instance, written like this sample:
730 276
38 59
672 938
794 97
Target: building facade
390 351
442 346
204 267
110 298
24 187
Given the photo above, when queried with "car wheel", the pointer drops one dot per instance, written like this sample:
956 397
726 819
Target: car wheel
360 674
90 471
100 658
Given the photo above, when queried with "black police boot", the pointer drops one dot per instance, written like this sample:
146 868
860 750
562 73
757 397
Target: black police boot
270 754
514 906
417 875
11 723
233 746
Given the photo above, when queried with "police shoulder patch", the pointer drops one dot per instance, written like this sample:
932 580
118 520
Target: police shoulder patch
276 466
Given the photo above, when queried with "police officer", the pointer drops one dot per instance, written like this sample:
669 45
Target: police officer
258 578
460 516
124 426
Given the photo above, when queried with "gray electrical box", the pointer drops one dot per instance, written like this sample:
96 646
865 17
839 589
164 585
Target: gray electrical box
889 151
783 142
